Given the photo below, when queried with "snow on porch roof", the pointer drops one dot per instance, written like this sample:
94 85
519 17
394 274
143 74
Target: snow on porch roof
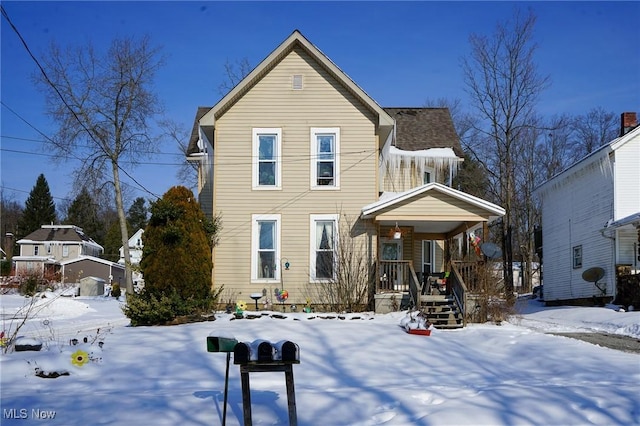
633 219
388 199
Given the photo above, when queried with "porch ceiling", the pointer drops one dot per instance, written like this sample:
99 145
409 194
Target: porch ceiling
442 228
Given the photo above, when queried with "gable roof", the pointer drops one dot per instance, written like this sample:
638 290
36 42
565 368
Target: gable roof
296 39
389 200
58 233
599 155
424 128
195 133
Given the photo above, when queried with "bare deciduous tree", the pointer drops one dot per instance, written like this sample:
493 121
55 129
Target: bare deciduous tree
187 170
348 266
103 105
554 148
504 85
234 72
592 130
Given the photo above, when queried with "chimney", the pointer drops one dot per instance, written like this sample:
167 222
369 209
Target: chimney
8 245
628 121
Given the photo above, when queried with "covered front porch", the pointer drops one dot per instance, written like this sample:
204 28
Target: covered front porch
428 249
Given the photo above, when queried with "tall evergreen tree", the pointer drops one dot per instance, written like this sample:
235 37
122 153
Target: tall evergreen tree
39 209
83 212
137 214
178 230
112 241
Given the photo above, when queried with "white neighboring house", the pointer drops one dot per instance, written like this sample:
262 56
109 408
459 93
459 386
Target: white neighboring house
591 218
135 252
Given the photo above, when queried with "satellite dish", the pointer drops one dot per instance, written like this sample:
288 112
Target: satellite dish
593 275
491 250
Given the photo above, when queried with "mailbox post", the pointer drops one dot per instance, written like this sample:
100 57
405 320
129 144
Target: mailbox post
223 344
262 356
255 357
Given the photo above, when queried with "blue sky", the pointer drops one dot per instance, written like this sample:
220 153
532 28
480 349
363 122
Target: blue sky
400 53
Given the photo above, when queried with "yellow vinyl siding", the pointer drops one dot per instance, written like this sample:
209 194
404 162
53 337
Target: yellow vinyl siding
438 246
435 206
273 103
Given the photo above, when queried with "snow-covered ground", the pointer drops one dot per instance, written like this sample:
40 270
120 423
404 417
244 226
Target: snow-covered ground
360 370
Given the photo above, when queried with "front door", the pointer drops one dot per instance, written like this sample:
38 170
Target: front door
392 250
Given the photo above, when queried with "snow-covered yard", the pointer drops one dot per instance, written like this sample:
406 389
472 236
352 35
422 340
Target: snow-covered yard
360 370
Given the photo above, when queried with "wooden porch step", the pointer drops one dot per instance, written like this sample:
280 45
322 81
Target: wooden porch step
442 311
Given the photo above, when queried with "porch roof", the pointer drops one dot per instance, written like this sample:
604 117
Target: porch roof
433 208
632 220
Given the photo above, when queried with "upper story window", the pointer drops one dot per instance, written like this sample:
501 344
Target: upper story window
65 251
325 158
427 177
267 143
265 247
35 250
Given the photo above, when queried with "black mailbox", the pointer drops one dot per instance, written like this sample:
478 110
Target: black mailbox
241 353
257 351
262 351
287 351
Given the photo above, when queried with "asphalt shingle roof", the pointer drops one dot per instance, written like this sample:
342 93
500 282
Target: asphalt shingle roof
58 234
424 128
193 140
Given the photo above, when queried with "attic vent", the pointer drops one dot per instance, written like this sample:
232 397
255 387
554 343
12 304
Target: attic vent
296 82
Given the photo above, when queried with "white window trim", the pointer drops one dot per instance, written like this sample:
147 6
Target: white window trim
577 256
432 255
255 240
314 158
257 131
312 242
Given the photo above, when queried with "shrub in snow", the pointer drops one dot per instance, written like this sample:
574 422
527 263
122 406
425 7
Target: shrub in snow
177 230
115 291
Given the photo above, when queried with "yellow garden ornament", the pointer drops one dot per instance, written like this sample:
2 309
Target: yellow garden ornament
79 358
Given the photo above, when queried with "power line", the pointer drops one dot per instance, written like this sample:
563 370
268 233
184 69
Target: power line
82 146
64 101
285 159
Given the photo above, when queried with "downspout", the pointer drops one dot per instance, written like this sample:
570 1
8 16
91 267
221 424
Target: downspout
613 256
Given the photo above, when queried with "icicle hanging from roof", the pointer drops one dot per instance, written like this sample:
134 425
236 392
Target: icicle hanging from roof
393 160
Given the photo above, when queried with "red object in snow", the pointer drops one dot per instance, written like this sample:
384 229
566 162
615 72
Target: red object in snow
419 331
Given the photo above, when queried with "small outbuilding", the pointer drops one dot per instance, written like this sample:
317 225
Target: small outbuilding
91 286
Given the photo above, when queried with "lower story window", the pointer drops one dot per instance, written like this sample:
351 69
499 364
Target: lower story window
265 247
323 246
577 257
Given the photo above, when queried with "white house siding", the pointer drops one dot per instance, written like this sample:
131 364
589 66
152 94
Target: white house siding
575 209
627 178
272 103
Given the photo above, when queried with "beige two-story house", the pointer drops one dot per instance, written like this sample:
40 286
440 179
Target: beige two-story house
297 157
66 254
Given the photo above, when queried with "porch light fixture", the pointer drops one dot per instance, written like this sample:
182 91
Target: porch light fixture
397 234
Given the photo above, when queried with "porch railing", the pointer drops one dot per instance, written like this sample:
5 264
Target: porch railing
459 289
469 274
398 276
393 275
